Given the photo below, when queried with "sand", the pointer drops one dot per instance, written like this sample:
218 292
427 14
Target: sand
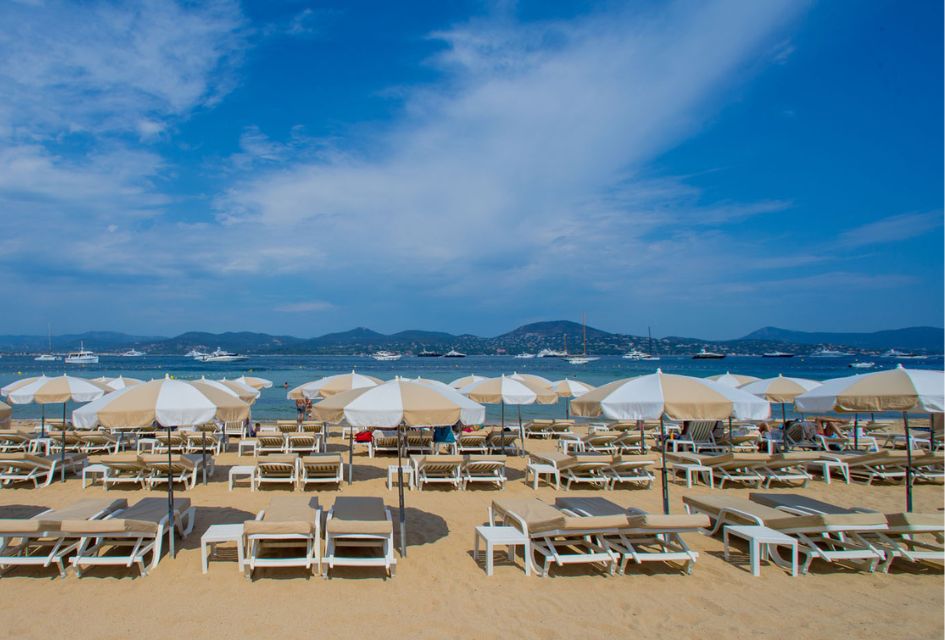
440 591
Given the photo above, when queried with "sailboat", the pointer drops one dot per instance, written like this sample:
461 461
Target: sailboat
583 358
650 357
47 357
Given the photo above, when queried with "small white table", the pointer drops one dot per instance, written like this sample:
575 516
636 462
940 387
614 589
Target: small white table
492 536
241 471
761 541
146 443
827 467
246 443
216 534
708 477
536 469
392 473
100 469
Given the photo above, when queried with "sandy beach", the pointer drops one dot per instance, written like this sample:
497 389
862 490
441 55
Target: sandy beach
440 591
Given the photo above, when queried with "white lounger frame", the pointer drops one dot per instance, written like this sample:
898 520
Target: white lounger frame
384 541
26 471
434 471
256 542
483 471
337 468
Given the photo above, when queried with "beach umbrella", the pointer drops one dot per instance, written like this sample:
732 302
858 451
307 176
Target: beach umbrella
23 382
507 390
399 404
660 395
465 381
169 403
541 381
254 382
900 389
568 389
114 384
781 390
6 412
54 390
245 393
330 385
733 379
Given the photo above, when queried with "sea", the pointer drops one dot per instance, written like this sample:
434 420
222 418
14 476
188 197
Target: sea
287 371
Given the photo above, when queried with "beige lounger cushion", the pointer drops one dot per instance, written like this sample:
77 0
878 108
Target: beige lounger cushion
713 504
277 459
538 516
40 461
474 458
734 458
322 459
51 521
581 523
554 457
919 520
176 460
660 522
286 515
590 458
142 517
822 520
120 458
360 515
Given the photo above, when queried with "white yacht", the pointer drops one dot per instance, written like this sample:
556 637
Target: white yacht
195 353
823 352
551 353
582 359
219 355
132 353
453 353
634 354
82 356
708 355
777 354
862 365
46 357
524 356
385 356
902 355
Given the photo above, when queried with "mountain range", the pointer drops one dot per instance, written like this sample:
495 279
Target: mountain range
558 335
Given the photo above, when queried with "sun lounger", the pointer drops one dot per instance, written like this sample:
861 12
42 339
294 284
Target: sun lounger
381 443
483 468
176 440
287 426
419 443
183 468
437 469
302 443
698 437
321 468
586 468
270 442
562 427
140 529
277 469
742 468
632 469
124 468
41 540
830 537
645 537
928 466
27 467
14 441
98 442
289 522
363 523
200 441
539 428
472 442
630 442
506 442
786 467
557 537
870 467
234 429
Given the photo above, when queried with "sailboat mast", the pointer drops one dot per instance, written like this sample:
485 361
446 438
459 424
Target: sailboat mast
584 330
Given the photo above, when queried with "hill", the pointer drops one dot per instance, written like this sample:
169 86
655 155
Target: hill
911 338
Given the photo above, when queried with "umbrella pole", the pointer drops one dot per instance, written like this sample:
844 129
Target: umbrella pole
521 431
400 493
351 454
503 415
42 423
931 434
784 443
856 431
731 440
203 454
62 453
170 498
905 422
642 436
567 408
664 478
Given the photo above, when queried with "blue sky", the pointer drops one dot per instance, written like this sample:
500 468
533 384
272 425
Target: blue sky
704 168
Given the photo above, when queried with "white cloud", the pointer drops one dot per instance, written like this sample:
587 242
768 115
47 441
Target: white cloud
891 229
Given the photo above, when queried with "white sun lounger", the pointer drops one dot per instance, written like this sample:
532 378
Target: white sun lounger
437 469
277 469
359 522
321 468
289 522
27 467
483 468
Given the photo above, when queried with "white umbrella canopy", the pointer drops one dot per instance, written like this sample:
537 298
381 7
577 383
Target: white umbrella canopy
254 382
330 385
465 381
569 388
236 389
780 389
677 397
44 390
398 402
733 379
114 384
7 389
541 381
170 403
899 389
508 390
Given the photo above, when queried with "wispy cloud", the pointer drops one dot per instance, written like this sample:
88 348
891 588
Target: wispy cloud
892 229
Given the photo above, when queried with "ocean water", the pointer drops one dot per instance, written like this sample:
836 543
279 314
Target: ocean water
291 371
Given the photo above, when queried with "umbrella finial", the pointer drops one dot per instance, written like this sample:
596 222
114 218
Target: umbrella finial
899 366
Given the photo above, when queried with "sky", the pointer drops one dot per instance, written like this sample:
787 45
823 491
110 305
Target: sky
704 168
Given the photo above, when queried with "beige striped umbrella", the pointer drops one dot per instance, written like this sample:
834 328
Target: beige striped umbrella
780 389
330 385
568 389
6 413
465 381
241 391
733 379
254 382
114 384
531 377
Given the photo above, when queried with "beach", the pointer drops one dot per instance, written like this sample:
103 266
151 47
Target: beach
440 591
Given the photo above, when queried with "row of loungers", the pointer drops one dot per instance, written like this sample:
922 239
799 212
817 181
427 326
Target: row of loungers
824 531
483 442
757 469
40 470
458 471
299 471
102 532
149 470
604 471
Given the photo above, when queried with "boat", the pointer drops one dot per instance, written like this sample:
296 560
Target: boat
132 353
82 356
524 356
902 355
633 354
219 355
195 353
777 354
453 353
823 352
428 354
862 365
583 358
47 357
551 353
385 356
708 355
